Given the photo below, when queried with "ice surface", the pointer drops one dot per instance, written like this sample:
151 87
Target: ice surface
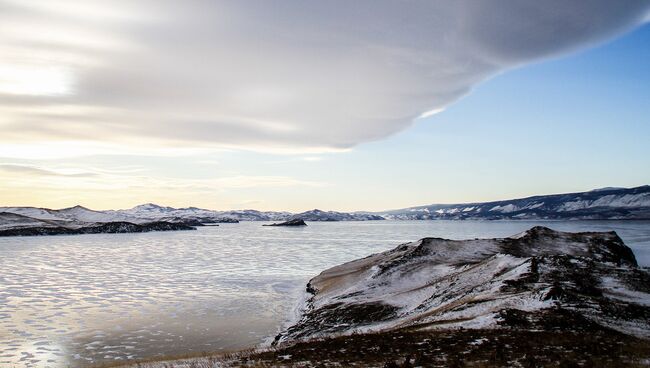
77 299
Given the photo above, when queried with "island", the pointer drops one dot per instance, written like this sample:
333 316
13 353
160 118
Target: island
292 222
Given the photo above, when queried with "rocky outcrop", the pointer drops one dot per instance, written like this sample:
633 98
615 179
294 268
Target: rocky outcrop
292 222
521 282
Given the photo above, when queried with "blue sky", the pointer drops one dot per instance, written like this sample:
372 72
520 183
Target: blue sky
572 122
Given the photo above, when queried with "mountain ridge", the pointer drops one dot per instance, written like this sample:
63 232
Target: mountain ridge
599 204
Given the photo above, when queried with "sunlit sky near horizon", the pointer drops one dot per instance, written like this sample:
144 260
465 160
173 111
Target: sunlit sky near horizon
247 107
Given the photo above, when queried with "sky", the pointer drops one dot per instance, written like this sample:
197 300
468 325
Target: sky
293 105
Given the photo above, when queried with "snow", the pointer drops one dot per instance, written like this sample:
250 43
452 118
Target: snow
612 200
37 213
86 215
533 206
615 289
79 216
439 284
504 209
427 289
547 206
75 214
10 220
412 291
606 189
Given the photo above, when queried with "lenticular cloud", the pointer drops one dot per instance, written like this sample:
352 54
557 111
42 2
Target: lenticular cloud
291 74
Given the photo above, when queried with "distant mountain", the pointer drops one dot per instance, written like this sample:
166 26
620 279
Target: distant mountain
152 211
73 216
318 215
145 217
25 221
599 204
67 222
254 215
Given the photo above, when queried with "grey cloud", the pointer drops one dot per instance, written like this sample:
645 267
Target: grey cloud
291 73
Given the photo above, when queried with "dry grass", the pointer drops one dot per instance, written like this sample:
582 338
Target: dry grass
458 348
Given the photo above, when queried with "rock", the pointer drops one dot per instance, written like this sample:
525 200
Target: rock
127 227
537 280
292 222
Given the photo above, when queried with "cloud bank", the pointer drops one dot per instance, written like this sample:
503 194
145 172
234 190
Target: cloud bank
297 75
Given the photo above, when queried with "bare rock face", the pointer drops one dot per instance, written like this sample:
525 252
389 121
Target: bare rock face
537 280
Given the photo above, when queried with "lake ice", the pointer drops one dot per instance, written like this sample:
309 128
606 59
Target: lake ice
76 300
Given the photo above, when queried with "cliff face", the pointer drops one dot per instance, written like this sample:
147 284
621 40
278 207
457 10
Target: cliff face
528 281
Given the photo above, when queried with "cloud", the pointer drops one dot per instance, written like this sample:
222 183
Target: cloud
286 75
63 185
35 171
83 179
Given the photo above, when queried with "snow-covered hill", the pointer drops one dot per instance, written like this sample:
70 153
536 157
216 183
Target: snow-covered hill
17 221
152 211
318 215
13 221
483 283
606 203
77 214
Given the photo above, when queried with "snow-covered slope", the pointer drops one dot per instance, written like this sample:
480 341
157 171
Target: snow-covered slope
83 214
318 215
606 203
153 211
16 221
76 214
35 213
78 220
441 284
79 217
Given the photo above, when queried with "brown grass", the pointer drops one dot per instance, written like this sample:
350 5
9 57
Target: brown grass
456 348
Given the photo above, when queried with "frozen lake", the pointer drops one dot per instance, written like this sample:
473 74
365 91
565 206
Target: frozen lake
76 300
